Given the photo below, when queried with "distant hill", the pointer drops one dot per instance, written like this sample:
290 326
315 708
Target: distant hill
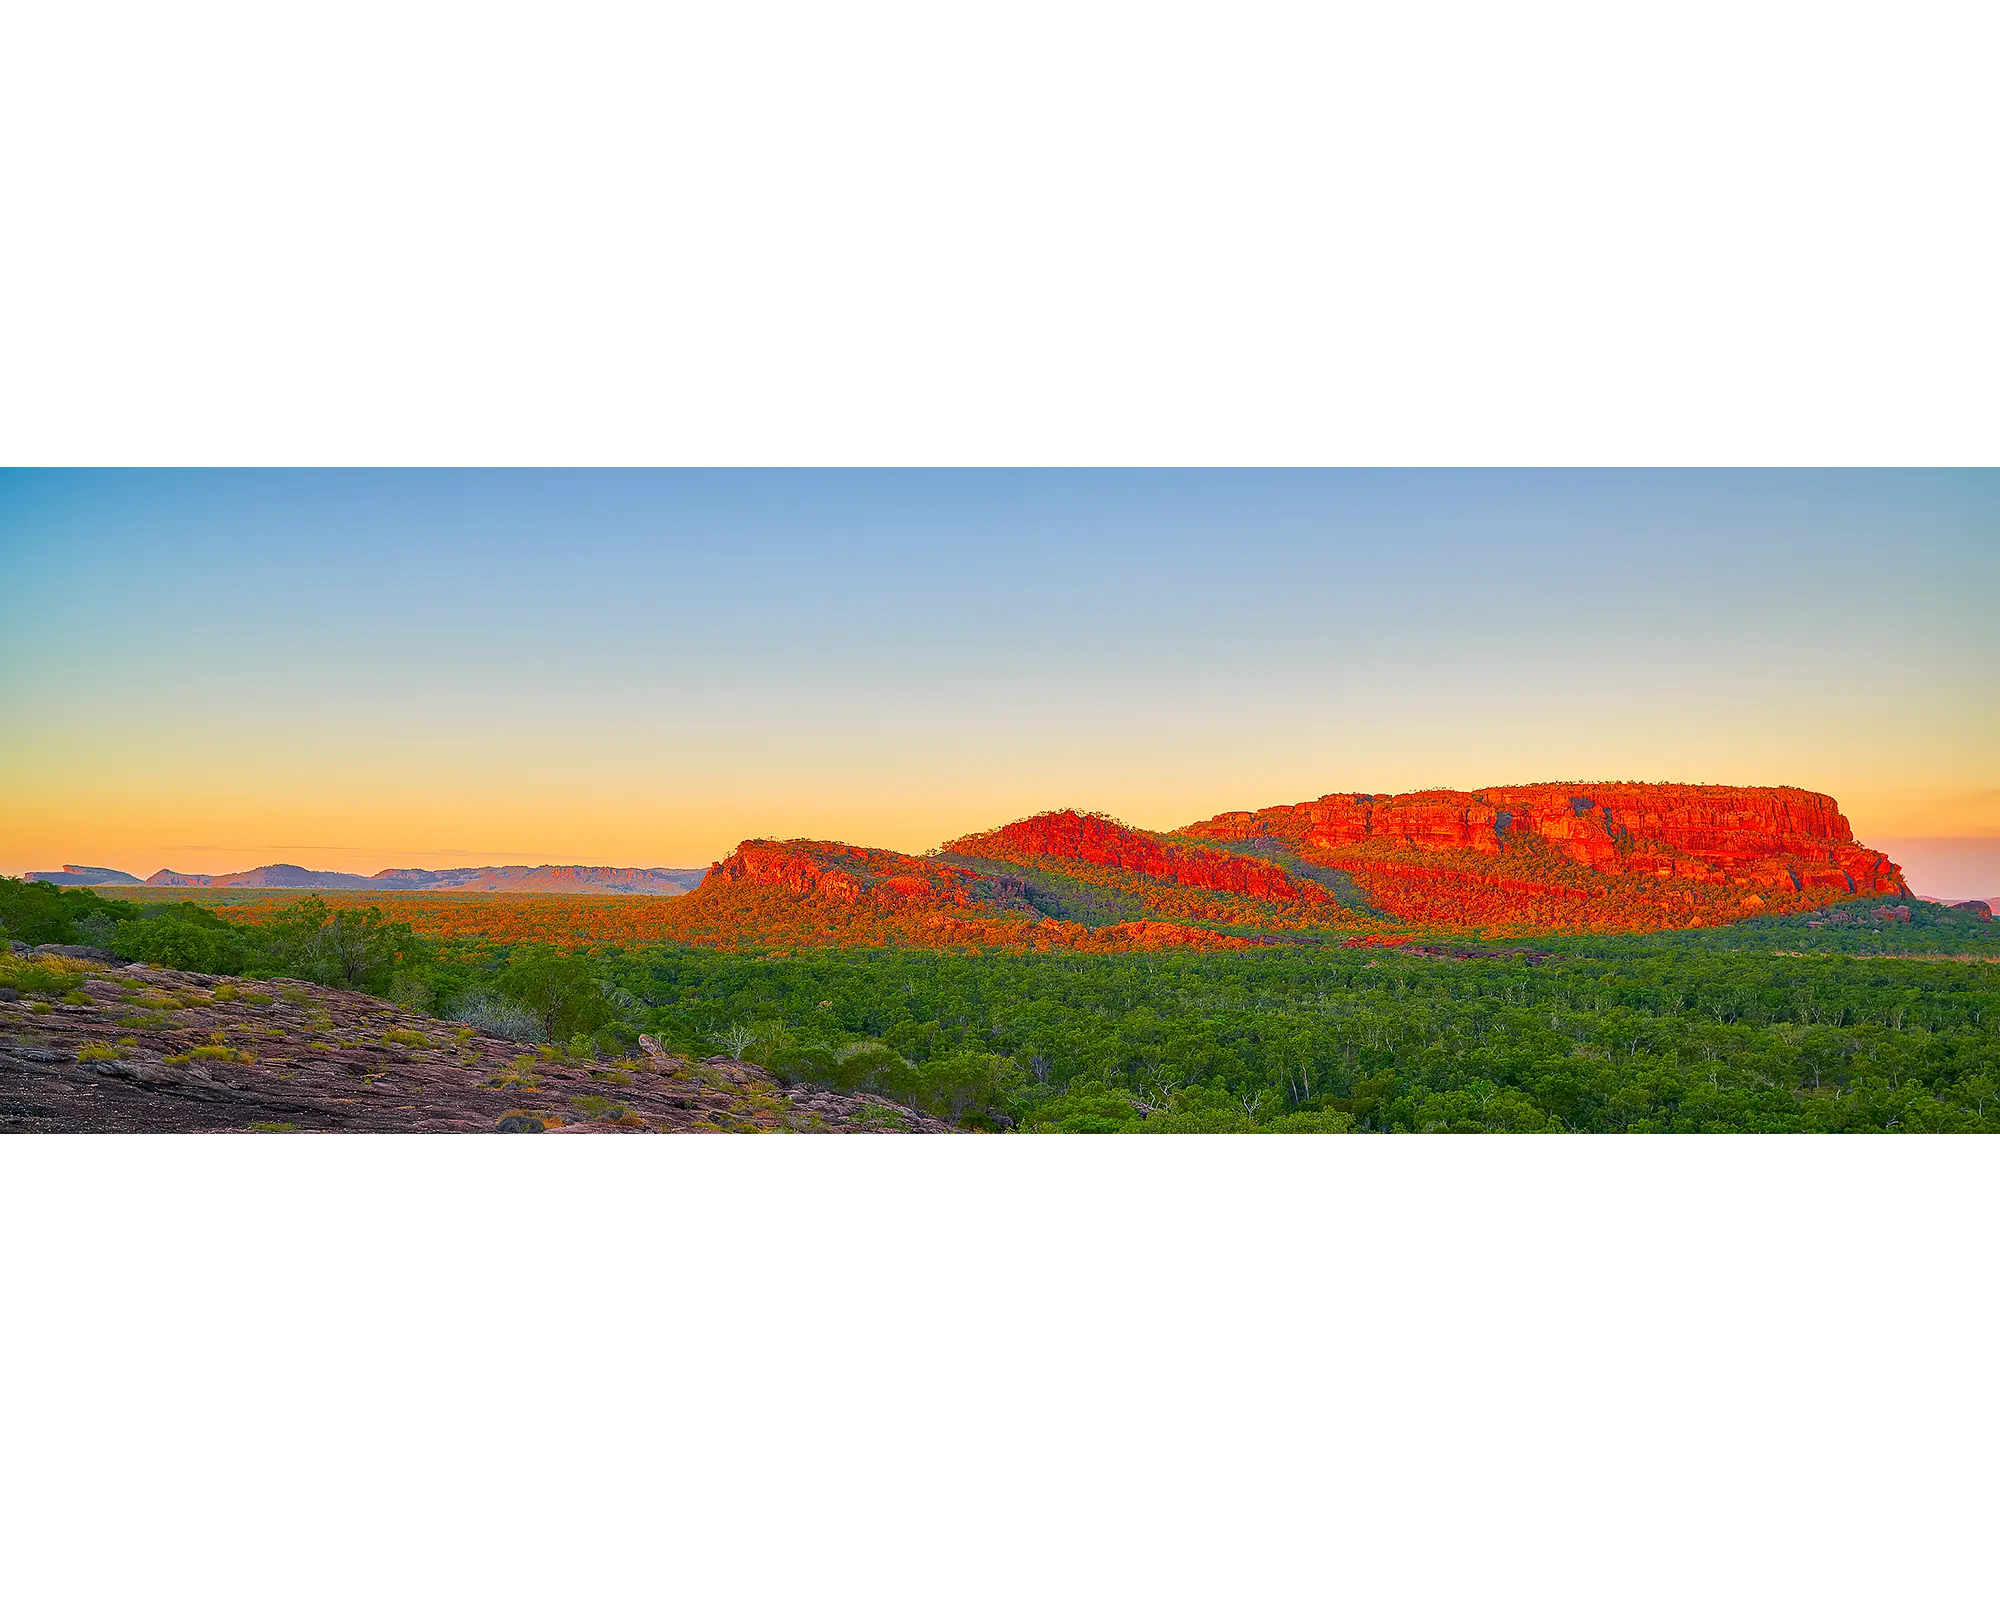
91 877
542 880
276 877
496 880
1991 903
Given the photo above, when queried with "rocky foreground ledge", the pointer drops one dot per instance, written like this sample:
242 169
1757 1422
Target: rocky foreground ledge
138 1049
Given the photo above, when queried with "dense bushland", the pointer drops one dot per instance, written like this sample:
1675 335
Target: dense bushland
1646 1039
1768 1025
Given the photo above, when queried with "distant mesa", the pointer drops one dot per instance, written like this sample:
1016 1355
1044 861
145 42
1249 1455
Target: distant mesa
89 876
494 880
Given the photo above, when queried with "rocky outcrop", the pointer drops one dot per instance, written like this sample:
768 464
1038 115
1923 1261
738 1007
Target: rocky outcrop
1089 839
1560 857
798 893
848 875
1787 840
133 1049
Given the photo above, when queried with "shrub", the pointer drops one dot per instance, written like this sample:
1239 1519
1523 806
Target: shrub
174 938
488 1012
242 997
348 949
866 1065
966 1084
40 974
100 1052
211 1052
412 989
407 1037
600 1109
42 913
1311 1122
801 1064
521 1075
564 993
96 930
969 1084
616 1037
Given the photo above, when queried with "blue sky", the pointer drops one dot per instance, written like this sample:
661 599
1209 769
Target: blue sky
647 667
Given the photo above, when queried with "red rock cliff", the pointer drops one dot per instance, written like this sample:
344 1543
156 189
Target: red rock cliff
1778 838
1083 836
849 874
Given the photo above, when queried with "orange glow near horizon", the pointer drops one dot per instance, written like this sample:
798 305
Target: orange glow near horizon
211 672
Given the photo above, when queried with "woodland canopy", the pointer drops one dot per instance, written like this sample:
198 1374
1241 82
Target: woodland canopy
1764 1026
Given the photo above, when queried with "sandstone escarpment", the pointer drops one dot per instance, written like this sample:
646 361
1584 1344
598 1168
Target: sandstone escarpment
1092 840
1780 839
1513 859
849 875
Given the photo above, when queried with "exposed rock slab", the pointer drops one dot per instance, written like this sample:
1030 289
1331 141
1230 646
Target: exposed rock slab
145 1050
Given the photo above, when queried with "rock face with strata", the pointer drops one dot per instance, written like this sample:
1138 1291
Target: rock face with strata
847 874
1513 859
1775 838
1085 838
1642 851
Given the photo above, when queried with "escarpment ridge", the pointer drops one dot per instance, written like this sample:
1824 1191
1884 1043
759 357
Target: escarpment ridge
1514 860
1510 860
1782 839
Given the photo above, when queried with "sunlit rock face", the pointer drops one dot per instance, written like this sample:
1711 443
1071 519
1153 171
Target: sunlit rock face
1090 840
1529 858
1673 853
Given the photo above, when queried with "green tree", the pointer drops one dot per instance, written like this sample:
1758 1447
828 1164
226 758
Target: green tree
345 949
565 993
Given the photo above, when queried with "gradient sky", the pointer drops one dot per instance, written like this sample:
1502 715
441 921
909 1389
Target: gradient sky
211 671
